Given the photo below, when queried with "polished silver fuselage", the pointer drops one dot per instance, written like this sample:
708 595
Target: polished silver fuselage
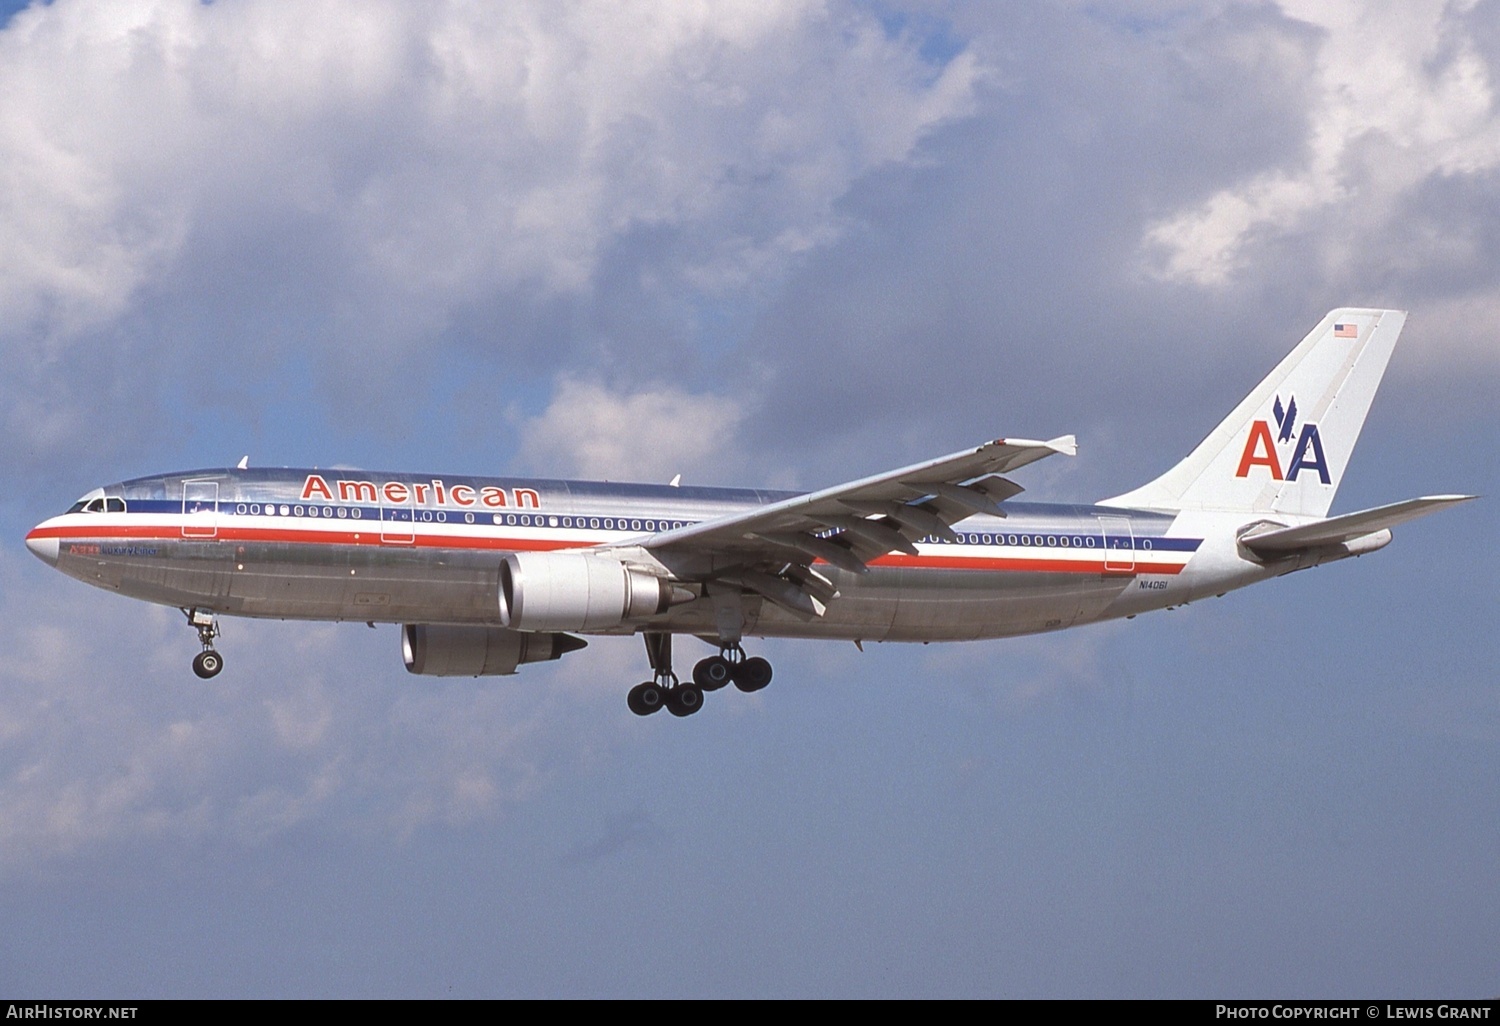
355 545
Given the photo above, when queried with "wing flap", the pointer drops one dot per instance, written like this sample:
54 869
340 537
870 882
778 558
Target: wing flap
1273 541
829 552
929 481
983 496
789 595
770 550
911 521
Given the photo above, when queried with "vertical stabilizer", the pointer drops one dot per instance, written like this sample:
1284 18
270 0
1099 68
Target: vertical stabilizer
1285 447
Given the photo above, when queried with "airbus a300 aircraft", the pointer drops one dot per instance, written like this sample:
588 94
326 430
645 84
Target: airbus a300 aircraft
488 573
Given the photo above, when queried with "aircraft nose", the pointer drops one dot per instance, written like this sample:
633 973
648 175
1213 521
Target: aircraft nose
42 548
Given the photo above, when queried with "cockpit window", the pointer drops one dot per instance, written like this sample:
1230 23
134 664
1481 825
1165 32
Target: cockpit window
98 504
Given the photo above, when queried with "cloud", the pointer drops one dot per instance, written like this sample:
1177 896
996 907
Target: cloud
369 186
1403 95
110 742
199 200
650 435
997 286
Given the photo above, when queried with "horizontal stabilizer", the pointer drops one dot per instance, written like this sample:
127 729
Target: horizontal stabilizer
1338 530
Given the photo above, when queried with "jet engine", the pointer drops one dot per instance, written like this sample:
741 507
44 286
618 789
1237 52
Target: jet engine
575 591
438 650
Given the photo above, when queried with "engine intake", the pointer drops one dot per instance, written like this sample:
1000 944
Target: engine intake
574 591
439 650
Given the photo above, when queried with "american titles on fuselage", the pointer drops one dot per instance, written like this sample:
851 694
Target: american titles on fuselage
434 493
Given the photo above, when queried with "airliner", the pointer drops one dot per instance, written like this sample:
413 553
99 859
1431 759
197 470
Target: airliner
486 574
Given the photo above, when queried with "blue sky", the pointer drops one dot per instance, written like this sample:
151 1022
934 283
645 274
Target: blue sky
783 243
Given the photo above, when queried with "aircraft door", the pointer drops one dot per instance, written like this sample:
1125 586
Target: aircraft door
1119 544
398 519
200 509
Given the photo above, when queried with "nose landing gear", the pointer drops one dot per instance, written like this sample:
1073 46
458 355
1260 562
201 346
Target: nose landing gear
207 663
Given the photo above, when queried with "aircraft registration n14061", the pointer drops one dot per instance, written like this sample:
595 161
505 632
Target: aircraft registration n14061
486 574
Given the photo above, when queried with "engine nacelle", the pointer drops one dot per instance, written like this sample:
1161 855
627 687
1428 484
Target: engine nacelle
439 650
575 591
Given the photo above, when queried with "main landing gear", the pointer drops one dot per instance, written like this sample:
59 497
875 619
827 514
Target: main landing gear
207 663
730 665
664 690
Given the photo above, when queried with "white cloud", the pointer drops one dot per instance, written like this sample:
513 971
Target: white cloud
649 435
1403 95
382 164
110 741
451 148
246 184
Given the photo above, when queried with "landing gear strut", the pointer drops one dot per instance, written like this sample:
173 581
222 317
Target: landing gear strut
207 663
663 689
681 698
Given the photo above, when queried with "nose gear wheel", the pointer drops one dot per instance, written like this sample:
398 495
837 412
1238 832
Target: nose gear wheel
207 663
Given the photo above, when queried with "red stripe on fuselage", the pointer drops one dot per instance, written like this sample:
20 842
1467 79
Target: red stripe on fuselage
275 535
158 532
1024 564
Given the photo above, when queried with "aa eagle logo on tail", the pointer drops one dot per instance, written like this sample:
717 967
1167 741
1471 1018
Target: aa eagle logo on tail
1261 446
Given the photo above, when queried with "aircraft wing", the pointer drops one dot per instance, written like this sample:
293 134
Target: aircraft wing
1337 530
771 549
